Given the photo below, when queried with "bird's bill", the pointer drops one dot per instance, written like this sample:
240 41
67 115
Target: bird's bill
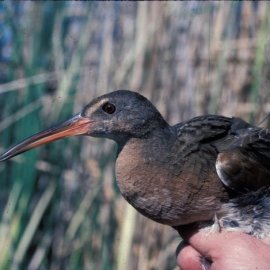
77 125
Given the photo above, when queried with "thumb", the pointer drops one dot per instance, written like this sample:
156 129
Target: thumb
189 258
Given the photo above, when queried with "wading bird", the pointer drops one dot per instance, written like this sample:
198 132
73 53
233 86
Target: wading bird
211 170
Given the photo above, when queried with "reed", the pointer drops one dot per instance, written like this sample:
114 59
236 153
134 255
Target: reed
60 207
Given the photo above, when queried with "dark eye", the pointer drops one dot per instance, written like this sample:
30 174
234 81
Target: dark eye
108 108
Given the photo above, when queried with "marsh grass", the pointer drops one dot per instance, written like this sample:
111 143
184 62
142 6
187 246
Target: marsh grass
60 206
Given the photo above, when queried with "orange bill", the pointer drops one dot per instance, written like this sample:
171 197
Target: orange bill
77 125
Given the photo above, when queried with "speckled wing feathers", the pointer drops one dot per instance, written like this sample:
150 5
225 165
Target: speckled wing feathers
243 151
205 128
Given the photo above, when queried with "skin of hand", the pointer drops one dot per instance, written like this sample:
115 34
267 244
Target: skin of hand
223 251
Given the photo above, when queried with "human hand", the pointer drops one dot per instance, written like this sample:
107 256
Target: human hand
224 251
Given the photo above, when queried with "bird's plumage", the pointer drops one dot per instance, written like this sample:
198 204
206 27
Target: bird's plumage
207 169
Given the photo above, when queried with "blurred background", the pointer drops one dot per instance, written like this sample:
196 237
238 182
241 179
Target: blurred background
60 207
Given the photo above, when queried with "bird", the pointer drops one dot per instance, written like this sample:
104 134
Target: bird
211 170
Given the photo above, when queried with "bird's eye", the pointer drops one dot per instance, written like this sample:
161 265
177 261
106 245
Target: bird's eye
108 108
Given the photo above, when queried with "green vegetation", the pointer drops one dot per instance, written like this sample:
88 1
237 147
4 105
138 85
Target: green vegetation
60 207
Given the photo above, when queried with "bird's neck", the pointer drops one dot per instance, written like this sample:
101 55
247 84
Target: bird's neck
144 152
149 149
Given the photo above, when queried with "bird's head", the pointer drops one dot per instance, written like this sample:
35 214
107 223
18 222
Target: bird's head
119 115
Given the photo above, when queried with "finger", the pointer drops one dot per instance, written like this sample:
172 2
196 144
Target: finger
189 258
182 245
199 239
213 244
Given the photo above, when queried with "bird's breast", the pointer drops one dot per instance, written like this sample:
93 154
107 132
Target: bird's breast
164 188
141 183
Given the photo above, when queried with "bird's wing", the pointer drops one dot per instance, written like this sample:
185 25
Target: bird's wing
203 129
244 164
243 151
